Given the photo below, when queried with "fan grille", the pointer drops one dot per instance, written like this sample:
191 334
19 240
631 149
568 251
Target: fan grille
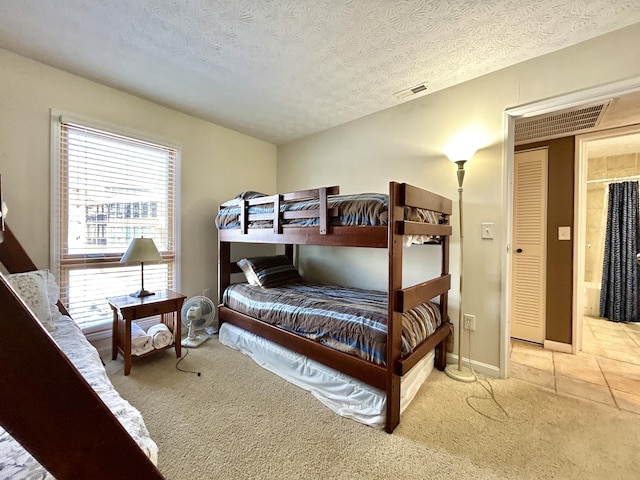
208 314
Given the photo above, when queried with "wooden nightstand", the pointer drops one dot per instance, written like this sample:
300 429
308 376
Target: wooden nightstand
126 309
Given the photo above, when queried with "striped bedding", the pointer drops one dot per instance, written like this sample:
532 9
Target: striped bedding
348 319
366 209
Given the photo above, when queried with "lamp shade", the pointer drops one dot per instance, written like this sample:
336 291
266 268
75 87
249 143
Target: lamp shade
459 152
141 250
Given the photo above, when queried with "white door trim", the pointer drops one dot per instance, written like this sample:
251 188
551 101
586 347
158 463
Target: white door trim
561 102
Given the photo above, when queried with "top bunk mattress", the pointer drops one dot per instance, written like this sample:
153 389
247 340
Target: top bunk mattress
17 463
365 209
351 320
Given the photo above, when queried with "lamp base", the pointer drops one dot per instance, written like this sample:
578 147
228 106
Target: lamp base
462 374
141 293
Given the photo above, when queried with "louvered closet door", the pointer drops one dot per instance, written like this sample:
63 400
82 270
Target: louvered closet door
528 246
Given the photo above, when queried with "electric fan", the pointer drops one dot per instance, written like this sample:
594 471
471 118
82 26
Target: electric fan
197 314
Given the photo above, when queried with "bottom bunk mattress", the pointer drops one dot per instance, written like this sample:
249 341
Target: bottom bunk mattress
344 395
351 320
17 463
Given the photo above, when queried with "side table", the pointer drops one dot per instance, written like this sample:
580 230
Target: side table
126 309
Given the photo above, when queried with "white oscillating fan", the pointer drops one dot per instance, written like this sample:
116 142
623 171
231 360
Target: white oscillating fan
197 314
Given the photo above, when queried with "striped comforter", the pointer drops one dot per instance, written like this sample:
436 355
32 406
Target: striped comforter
351 320
362 209
368 209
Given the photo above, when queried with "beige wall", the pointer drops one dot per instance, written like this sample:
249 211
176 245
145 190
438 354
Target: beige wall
209 166
404 143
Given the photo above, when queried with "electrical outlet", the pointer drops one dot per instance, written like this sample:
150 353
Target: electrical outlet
206 292
469 322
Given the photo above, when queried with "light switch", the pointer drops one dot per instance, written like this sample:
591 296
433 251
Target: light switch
564 233
487 230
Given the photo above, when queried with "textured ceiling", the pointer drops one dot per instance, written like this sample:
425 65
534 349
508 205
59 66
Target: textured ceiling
282 69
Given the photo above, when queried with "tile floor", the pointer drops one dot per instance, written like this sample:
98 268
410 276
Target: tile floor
606 371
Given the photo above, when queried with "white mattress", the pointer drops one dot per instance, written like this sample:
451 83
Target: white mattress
343 394
17 463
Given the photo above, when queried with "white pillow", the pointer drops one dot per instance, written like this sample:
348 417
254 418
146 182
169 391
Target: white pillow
250 275
40 292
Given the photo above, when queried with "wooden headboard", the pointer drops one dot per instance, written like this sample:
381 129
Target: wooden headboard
15 259
47 405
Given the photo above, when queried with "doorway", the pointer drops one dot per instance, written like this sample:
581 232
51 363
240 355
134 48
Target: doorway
606 366
619 90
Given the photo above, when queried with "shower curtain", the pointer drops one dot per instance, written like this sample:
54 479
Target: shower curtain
619 294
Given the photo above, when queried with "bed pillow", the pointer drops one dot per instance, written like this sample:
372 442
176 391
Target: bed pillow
39 292
249 274
269 271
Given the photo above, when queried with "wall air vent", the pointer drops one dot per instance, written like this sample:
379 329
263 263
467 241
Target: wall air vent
411 91
560 123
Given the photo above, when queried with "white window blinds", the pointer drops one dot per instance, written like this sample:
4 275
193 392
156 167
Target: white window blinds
111 189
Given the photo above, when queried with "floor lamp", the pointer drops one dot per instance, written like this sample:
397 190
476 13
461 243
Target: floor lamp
458 372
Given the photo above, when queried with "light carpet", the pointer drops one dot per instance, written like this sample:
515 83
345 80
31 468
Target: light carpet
239 421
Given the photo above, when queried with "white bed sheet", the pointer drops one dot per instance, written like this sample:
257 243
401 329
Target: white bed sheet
17 463
343 394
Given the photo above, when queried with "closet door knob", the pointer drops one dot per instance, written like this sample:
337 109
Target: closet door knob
519 250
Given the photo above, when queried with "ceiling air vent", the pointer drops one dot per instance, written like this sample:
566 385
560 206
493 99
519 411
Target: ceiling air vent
559 124
411 91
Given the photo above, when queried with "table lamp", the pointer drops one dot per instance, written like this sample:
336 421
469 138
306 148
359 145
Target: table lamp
141 250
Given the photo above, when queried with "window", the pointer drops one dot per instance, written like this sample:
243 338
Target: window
107 190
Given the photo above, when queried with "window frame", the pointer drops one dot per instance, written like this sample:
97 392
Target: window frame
58 224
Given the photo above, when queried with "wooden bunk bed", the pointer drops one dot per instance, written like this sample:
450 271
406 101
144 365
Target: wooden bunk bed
401 198
47 406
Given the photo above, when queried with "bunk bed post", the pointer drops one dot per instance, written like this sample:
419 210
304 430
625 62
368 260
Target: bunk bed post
244 214
224 268
288 251
324 210
277 215
441 350
394 321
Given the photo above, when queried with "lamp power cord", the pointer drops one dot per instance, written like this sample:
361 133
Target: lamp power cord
486 385
182 369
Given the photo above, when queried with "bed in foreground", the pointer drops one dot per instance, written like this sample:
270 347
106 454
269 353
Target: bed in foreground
60 416
373 364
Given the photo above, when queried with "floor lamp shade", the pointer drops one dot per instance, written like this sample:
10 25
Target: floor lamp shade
141 250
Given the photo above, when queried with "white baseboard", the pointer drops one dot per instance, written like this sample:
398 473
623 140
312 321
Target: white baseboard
478 367
558 346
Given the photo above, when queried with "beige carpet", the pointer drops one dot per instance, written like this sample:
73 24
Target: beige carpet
239 421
